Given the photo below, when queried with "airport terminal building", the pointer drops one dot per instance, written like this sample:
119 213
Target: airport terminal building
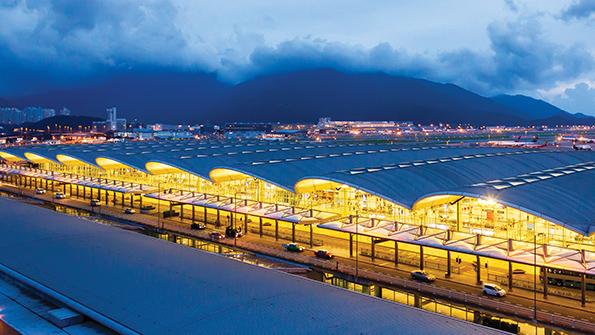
503 211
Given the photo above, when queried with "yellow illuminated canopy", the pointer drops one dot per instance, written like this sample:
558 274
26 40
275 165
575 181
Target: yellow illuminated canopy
312 185
222 175
107 163
435 200
68 160
36 158
9 157
161 168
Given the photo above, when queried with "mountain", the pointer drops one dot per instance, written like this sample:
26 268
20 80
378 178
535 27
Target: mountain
308 95
303 96
537 111
528 108
155 97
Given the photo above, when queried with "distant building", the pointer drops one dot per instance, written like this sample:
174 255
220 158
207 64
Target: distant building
33 114
11 115
112 123
334 129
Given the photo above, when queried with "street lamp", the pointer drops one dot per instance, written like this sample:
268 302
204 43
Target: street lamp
356 244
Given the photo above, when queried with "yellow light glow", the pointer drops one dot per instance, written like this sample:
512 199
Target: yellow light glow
312 185
36 158
68 160
9 157
107 164
223 175
435 200
161 168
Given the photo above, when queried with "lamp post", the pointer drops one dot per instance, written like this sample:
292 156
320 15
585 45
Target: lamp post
159 203
534 276
356 244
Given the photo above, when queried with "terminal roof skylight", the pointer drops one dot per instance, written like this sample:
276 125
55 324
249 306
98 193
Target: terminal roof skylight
537 176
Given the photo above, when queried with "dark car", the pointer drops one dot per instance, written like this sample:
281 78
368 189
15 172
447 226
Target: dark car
233 232
422 275
293 247
198 226
324 254
215 236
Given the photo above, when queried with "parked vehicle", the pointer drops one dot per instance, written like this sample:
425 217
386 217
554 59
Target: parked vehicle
129 211
493 290
95 203
233 232
215 236
59 195
39 191
293 247
422 275
198 226
324 254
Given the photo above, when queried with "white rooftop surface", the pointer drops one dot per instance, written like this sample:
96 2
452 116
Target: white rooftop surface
157 287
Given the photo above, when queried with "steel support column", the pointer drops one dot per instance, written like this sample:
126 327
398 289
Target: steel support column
545 279
276 230
583 290
478 270
396 253
448 260
421 257
510 276
373 248
260 226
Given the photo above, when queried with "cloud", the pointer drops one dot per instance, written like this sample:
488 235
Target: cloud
512 5
520 58
579 9
46 44
577 99
64 41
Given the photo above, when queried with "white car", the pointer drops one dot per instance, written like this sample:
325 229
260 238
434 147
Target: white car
493 290
59 195
129 210
39 191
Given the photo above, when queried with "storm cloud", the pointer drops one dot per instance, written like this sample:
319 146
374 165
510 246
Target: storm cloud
47 44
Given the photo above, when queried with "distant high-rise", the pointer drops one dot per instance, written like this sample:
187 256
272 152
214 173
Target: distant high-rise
112 122
32 114
11 115
112 114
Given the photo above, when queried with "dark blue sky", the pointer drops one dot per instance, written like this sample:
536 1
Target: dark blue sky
541 48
